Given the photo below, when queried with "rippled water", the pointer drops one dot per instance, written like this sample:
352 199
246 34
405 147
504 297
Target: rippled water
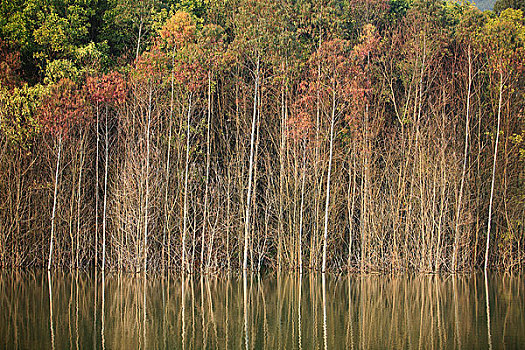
288 311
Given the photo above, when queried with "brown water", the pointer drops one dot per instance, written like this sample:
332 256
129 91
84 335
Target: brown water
289 311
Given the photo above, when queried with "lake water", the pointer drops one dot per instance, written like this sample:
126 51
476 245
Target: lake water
287 311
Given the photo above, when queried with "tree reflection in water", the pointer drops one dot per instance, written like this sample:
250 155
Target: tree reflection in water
275 311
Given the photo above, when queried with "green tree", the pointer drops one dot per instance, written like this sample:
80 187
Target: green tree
18 121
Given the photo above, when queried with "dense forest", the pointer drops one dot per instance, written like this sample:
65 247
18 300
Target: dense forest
372 136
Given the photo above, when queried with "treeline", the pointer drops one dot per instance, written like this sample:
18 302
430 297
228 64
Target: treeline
208 135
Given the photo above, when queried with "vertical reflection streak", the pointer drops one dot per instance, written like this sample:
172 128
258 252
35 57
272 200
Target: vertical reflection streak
245 303
393 313
313 299
102 311
183 309
350 328
325 335
211 310
204 326
422 300
69 312
362 312
431 304
143 309
279 310
168 303
299 309
164 309
76 310
192 309
227 312
456 316
51 311
12 313
488 310
266 332
95 287
440 327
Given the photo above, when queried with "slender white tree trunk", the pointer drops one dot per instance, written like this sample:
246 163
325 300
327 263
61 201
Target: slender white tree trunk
281 178
301 210
493 171
168 159
186 170
250 171
147 180
327 205
228 220
465 158
210 112
53 214
138 40
351 206
317 187
96 190
208 151
104 218
82 155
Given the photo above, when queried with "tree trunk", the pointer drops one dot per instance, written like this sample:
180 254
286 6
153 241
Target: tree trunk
317 188
493 172
168 158
250 171
104 218
82 155
147 181
208 151
301 211
186 170
465 158
53 214
351 207
327 204
138 40
96 190
281 178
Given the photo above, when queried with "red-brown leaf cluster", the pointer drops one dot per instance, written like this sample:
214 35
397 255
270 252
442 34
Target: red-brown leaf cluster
9 65
109 89
150 66
300 122
63 107
190 74
299 126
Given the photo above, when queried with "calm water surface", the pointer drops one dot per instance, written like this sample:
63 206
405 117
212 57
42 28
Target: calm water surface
289 311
